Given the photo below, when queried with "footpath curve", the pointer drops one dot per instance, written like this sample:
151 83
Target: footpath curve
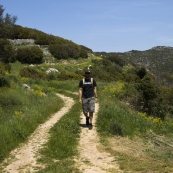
23 158
90 158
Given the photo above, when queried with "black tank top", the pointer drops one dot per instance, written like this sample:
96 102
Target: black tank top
87 88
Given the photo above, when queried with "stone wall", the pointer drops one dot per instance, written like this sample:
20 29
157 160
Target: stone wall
22 41
31 42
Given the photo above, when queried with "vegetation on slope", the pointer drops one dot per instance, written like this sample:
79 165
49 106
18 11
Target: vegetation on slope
158 60
131 104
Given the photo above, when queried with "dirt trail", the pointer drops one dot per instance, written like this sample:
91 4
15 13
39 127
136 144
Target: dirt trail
90 159
23 159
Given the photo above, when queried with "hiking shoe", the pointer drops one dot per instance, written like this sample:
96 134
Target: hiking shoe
90 126
87 121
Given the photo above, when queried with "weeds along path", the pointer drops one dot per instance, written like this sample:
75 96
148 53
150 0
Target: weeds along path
23 159
91 159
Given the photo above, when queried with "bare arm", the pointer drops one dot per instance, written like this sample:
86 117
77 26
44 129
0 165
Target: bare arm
95 93
80 95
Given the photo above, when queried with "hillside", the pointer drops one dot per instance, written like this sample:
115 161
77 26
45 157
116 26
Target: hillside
158 60
133 123
143 139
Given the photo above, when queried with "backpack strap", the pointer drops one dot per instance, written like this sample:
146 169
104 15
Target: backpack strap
92 81
84 81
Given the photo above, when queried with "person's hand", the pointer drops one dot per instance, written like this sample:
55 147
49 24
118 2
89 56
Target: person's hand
96 100
80 100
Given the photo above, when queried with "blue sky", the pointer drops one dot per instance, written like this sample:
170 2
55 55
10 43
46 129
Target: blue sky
101 25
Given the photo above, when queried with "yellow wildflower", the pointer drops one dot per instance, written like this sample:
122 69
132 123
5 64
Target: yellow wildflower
17 113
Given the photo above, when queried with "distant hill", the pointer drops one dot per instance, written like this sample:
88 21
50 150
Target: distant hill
158 60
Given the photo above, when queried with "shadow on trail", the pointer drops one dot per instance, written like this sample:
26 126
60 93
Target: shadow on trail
86 126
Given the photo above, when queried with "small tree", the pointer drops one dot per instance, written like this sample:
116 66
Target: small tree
116 59
141 72
30 55
64 51
6 24
151 97
7 52
83 53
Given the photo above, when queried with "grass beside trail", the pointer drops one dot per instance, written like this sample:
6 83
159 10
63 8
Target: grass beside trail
24 109
138 142
21 113
62 147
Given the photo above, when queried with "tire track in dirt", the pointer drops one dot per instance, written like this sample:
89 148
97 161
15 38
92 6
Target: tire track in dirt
91 159
23 158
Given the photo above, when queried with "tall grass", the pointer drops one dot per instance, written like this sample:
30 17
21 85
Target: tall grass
16 67
68 85
116 118
22 111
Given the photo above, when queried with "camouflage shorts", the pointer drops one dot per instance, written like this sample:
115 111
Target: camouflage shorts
88 104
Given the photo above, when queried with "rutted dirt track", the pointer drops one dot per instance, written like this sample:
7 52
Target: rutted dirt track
24 158
90 159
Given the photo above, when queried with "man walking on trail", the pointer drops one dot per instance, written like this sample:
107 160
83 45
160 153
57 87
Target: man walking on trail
87 91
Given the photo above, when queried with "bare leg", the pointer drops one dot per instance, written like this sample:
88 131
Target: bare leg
86 115
87 118
91 117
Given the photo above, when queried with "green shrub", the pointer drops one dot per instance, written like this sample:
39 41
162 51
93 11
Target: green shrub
65 75
105 70
83 53
64 51
116 118
117 60
42 39
32 73
7 52
52 76
10 99
2 68
4 81
148 89
32 55
141 72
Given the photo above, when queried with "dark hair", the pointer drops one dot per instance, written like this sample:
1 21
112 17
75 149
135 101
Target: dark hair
87 72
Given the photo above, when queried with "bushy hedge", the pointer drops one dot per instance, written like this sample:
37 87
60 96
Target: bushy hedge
31 55
7 52
65 51
2 68
117 60
105 70
32 73
65 75
4 81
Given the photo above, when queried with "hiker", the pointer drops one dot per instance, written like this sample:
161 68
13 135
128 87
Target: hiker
87 91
